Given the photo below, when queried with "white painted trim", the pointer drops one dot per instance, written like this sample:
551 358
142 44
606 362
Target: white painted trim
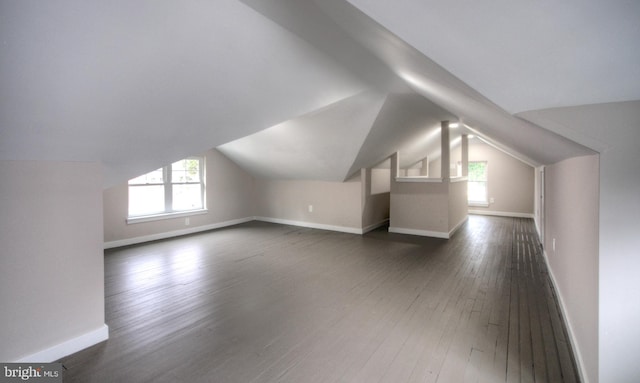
418 179
458 179
175 233
159 217
501 213
312 225
423 233
68 347
537 226
458 225
374 226
197 229
567 322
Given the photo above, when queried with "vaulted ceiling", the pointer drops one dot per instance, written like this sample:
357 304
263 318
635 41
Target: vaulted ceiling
301 89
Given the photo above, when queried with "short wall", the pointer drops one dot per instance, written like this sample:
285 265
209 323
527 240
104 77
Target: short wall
420 208
333 205
458 211
52 274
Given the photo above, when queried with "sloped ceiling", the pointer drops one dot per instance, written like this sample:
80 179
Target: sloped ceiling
407 123
317 146
136 85
525 55
523 139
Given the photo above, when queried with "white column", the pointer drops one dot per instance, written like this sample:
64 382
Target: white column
394 166
464 145
444 147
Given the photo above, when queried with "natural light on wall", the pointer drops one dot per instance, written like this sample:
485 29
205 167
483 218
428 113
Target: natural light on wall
178 187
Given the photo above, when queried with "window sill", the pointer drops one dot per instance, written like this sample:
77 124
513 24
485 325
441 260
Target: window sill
478 204
158 217
428 179
418 179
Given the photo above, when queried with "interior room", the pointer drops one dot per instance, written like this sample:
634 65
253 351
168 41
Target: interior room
321 190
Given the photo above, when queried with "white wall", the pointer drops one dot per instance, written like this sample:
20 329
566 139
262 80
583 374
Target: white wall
52 270
510 181
336 205
458 210
420 208
571 248
375 206
234 196
614 131
380 181
619 254
435 168
538 214
229 198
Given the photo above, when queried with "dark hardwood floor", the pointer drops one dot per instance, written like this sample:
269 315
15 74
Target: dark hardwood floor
262 302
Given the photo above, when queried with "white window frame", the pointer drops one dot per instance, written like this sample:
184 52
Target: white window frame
169 212
484 203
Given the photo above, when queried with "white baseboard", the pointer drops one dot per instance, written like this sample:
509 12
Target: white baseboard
458 225
537 226
175 233
429 233
197 229
68 347
567 322
501 213
312 225
374 226
423 233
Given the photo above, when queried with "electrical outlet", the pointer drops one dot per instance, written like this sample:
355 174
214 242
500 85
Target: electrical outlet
492 200
187 222
310 208
553 244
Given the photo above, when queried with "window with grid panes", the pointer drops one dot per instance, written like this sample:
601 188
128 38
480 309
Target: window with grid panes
174 188
477 183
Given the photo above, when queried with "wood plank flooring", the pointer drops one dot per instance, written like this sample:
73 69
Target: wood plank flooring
261 302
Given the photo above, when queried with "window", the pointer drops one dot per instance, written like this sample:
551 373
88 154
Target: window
477 183
175 188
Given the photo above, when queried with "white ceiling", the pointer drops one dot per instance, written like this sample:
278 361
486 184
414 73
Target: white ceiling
525 55
407 123
318 146
139 84
136 85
